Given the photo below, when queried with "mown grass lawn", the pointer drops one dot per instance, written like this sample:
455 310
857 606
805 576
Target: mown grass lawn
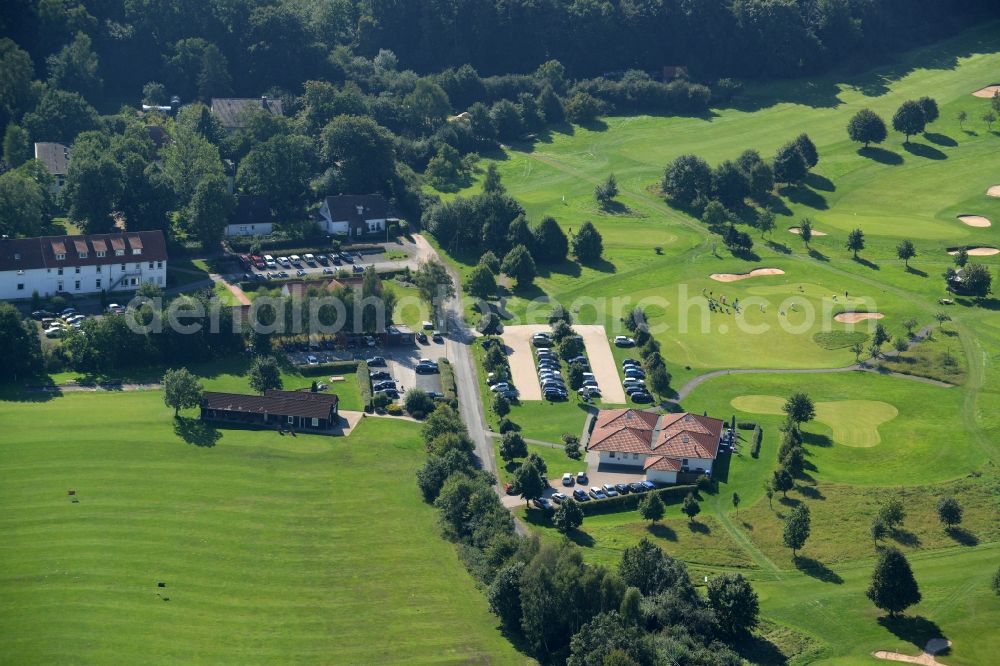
271 548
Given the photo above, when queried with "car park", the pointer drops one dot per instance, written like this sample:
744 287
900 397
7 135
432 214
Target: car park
597 493
567 479
580 495
609 490
376 362
581 478
624 341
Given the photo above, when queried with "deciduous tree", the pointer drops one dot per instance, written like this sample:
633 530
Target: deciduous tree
856 241
799 408
181 390
734 602
651 507
866 127
265 374
909 119
690 507
568 516
796 529
949 512
893 587
906 251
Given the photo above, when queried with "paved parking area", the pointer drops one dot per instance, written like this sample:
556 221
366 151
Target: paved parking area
520 355
524 373
602 363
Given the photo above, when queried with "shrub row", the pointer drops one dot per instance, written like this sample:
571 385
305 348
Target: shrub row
746 425
242 244
630 502
756 438
365 385
336 367
448 381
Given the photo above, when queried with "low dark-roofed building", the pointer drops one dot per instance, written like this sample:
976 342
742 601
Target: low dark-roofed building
232 111
55 157
297 410
251 217
354 215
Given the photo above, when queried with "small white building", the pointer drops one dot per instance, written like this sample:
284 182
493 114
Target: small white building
55 157
251 217
354 215
661 445
81 265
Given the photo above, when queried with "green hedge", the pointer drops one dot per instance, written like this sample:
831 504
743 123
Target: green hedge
448 380
746 425
365 385
334 368
669 495
756 438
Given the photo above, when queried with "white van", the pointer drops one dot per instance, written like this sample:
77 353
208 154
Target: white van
269 261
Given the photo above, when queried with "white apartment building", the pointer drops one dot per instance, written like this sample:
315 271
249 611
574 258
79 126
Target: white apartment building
78 265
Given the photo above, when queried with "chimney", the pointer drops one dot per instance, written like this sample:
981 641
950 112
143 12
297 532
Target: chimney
263 101
361 210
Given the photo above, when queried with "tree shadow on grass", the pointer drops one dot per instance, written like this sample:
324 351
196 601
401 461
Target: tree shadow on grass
700 528
661 531
923 150
868 264
779 247
916 271
800 194
814 439
616 208
812 492
881 155
196 431
963 536
602 265
818 182
759 650
940 139
813 567
905 537
817 255
916 630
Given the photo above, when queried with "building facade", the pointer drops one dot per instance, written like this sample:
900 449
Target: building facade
55 157
659 445
294 410
79 265
354 215
251 217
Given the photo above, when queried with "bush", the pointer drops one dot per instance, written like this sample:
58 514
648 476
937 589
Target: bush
365 385
630 502
335 368
506 425
448 381
755 440
746 425
380 401
705 484
394 409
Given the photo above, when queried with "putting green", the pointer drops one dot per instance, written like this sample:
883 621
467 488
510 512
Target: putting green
853 422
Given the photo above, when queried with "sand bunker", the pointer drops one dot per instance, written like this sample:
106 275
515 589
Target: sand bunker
987 92
975 221
856 317
977 251
757 272
796 230
994 191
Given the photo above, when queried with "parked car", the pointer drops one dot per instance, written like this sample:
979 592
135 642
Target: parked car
67 312
437 394
637 487
510 394
642 398
648 485
38 315
632 381
334 259
327 271
284 262
54 332
296 260
590 392
500 386
609 490
543 504
581 478
558 498
567 479
635 390
426 368
580 495
358 269
635 372
380 374
309 259
392 393
321 258
384 386
437 337
300 273
622 488
554 395
631 362
597 493
312 360
624 341
422 338
541 342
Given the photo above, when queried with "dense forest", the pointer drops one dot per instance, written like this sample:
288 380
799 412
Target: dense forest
377 95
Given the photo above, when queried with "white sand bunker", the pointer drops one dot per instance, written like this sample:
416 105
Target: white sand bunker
975 221
757 272
987 92
977 251
857 317
796 230
993 191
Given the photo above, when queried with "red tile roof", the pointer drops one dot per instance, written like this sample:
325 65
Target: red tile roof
688 436
667 439
662 464
40 252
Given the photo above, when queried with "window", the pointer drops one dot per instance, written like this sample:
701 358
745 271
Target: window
77 270
59 286
98 269
291 419
60 271
359 232
20 286
83 255
315 423
684 462
17 256
20 271
119 253
151 265
76 285
635 456
60 256
137 250
611 454
159 264
134 281
100 254
159 280
98 283
123 268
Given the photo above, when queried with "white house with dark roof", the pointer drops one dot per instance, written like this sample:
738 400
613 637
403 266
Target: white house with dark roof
55 157
250 217
661 445
354 215
81 264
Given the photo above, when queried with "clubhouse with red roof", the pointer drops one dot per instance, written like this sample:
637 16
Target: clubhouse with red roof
660 445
